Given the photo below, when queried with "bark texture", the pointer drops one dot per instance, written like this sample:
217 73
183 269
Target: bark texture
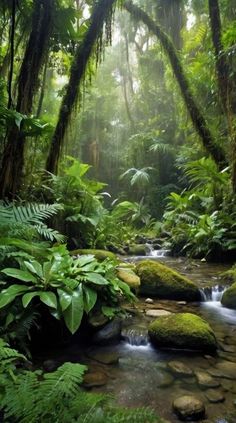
36 49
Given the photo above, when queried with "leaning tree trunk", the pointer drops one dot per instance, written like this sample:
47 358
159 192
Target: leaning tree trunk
225 81
13 155
101 15
197 117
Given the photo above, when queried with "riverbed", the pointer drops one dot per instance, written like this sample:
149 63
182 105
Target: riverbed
137 374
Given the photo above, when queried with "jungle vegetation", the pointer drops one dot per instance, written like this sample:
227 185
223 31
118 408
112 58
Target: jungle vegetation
117 119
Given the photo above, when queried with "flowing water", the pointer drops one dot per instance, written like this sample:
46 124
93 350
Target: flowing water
137 374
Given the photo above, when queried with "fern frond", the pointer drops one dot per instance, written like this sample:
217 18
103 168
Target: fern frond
50 234
137 415
63 382
7 353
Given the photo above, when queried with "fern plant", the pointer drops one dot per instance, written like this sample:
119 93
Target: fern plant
17 221
56 397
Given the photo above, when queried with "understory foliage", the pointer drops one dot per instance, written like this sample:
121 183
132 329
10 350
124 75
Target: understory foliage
68 286
33 396
200 221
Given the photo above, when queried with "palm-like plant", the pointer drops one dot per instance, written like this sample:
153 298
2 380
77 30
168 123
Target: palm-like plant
137 176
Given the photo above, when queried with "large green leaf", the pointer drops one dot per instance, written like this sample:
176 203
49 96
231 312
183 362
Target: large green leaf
22 275
85 259
28 297
74 313
8 295
90 298
64 298
96 278
34 267
48 298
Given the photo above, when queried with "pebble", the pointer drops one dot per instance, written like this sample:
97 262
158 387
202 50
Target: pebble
157 313
180 368
149 301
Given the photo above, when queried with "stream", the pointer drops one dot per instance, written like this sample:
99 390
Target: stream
137 374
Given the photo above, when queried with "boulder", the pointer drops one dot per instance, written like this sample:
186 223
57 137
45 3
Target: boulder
182 331
189 407
128 276
160 281
109 334
100 255
229 297
137 250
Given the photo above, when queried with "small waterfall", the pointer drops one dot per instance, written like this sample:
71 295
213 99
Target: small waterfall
156 253
135 336
213 293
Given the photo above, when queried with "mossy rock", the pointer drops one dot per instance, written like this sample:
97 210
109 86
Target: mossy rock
160 281
229 297
137 250
182 331
98 254
128 276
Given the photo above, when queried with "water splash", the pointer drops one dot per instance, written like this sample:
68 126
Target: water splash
151 252
212 294
137 337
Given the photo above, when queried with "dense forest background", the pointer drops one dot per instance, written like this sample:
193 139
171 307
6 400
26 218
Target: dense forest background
145 97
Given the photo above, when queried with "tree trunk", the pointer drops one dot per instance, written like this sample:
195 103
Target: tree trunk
225 81
13 155
101 14
197 117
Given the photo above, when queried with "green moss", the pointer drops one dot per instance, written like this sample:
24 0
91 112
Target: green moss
161 281
229 297
99 254
184 331
128 276
137 250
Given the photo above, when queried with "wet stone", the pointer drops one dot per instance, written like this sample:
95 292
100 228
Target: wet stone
215 372
227 356
94 379
228 348
157 313
182 302
189 407
164 379
205 380
180 368
227 368
214 396
104 357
